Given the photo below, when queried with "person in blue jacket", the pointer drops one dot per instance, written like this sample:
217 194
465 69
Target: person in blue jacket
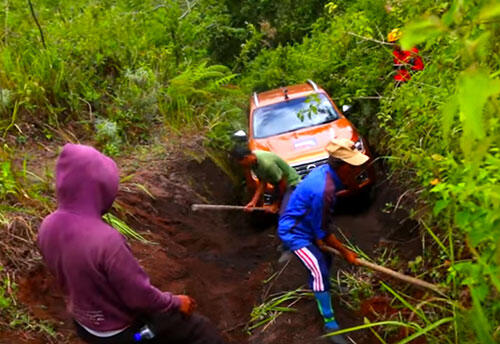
302 226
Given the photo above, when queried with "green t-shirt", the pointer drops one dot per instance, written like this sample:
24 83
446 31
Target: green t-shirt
271 168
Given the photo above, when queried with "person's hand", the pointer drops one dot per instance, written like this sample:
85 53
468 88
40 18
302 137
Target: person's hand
350 256
188 305
249 207
321 244
332 241
272 209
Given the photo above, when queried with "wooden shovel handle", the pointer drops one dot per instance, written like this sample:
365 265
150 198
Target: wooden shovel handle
196 207
392 273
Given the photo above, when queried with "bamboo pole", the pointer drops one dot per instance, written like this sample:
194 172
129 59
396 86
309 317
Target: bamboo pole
196 207
412 280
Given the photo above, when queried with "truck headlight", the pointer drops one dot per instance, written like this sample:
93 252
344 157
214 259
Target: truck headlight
359 145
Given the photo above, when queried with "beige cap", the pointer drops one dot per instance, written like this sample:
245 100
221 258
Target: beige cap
344 149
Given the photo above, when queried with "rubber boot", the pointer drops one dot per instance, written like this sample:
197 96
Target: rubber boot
326 310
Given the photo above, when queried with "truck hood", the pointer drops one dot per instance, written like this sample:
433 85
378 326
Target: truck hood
306 144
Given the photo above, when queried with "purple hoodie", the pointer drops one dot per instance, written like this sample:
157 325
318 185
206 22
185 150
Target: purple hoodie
104 286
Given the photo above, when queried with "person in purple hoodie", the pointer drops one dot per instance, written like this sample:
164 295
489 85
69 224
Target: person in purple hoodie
107 292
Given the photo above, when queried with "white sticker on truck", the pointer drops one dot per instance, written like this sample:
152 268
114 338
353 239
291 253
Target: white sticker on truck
305 143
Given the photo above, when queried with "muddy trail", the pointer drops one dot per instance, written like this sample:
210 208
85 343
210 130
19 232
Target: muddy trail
221 258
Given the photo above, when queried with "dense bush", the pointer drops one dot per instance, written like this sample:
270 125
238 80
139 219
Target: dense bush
120 68
444 128
276 22
332 55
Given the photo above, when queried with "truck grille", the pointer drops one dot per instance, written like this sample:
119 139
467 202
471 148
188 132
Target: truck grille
304 169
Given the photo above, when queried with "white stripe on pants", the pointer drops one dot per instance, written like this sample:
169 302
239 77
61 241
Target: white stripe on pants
311 263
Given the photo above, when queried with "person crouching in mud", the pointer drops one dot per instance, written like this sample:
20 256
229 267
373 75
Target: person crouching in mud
302 227
107 292
269 168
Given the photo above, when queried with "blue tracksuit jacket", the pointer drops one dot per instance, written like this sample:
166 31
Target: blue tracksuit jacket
307 212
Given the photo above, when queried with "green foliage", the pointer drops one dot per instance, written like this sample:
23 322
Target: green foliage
261 23
444 125
16 317
419 331
18 184
189 92
136 104
268 311
107 134
120 69
25 322
330 56
123 228
6 298
8 185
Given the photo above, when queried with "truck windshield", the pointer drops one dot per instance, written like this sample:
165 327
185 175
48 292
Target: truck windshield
292 115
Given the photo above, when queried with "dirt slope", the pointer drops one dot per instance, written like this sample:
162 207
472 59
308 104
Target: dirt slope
218 258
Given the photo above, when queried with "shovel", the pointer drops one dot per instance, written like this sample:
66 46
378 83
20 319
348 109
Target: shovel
394 274
195 207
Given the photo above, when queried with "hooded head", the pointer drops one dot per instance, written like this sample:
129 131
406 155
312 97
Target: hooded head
86 180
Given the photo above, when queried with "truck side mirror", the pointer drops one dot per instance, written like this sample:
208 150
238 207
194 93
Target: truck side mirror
240 136
346 109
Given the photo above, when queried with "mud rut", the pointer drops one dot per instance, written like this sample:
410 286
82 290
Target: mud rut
219 258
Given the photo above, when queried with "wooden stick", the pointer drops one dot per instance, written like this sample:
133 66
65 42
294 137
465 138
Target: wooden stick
196 207
37 23
412 280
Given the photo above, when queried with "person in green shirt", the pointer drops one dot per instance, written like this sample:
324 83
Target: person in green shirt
269 168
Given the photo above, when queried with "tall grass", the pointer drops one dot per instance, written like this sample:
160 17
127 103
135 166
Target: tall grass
123 228
133 65
265 313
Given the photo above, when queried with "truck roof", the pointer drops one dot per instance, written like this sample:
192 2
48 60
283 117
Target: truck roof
277 95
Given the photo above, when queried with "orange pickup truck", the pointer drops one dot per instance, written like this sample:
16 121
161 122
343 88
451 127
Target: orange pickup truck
296 122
